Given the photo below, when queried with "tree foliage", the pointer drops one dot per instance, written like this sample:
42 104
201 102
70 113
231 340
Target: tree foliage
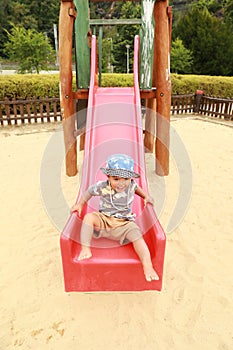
30 48
209 39
30 14
125 36
228 12
181 58
205 28
5 12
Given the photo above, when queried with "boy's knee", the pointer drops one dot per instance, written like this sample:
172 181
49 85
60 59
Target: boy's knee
89 218
134 233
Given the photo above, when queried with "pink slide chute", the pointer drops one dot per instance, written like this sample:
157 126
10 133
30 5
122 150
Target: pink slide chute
113 125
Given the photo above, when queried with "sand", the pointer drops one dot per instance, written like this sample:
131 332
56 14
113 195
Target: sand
194 309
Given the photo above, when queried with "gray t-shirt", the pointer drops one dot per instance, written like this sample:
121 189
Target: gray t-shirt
112 203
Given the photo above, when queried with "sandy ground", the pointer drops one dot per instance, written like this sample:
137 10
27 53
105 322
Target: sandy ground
194 309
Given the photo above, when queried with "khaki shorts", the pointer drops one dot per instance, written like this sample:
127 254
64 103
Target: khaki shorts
121 230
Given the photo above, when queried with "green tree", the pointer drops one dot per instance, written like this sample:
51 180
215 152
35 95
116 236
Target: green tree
213 6
39 15
125 36
107 55
21 16
181 58
31 49
209 39
228 12
30 14
5 12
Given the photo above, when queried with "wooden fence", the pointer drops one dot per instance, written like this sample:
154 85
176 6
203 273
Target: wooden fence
47 110
18 112
202 105
216 107
183 104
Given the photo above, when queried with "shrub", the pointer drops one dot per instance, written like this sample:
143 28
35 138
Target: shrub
116 80
211 85
30 85
34 85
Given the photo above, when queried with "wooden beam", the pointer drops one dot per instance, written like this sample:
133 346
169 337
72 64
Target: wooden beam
81 94
100 55
82 42
163 85
113 22
148 93
146 70
113 0
146 44
66 20
149 139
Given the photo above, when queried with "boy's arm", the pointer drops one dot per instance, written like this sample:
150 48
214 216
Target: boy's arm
148 199
79 206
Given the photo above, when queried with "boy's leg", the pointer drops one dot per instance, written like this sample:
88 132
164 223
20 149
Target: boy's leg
89 222
134 235
143 252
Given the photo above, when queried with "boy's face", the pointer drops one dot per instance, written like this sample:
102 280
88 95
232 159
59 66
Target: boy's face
119 184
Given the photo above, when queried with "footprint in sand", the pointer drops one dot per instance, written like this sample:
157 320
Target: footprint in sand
179 295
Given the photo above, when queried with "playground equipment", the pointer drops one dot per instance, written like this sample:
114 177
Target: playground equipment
113 125
155 83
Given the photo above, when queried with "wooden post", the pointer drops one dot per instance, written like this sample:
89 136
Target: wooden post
100 53
82 41
146 70
163 84
66 22
150 118
146 44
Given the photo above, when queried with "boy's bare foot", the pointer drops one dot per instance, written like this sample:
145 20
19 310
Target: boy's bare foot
150 273
85 253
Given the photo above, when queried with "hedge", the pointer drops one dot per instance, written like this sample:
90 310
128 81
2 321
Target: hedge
33 85
210 85
19 86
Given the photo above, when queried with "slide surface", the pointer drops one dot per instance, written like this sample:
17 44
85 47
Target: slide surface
114 125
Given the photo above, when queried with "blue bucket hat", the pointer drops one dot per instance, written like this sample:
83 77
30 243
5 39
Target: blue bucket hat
120 165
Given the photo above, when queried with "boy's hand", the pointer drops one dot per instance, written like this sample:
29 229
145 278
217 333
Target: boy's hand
77 207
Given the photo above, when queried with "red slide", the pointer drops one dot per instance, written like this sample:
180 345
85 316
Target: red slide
113 125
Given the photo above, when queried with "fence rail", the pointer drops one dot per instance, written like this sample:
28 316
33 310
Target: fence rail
216 107
182 104
204 105
47 110
18 112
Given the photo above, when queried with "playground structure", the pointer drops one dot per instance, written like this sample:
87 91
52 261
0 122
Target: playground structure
113 125
154 74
